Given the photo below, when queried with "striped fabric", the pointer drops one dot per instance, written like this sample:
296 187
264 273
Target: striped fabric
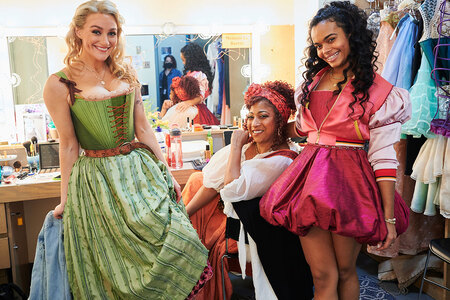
125 235
386 174
349 143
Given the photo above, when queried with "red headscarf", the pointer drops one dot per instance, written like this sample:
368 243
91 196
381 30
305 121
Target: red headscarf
255 90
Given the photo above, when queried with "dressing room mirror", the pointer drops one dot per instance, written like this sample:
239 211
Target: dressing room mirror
33 58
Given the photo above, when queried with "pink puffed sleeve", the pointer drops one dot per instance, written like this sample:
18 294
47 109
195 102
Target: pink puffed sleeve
202 81
385 129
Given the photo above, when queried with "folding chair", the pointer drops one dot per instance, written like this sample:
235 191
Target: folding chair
440 248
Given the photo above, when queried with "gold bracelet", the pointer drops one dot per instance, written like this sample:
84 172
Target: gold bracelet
390 221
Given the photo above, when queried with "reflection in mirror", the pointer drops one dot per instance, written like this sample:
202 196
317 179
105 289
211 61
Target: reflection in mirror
34 58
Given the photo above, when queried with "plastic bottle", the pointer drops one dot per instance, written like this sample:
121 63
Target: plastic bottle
168 150
176 156
209 139
160 137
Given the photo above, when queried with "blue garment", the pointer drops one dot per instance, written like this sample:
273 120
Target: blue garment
398 67
49 278
172 74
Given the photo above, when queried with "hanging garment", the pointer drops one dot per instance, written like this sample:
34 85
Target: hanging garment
385 41
431 171
213 56
423 103
398 67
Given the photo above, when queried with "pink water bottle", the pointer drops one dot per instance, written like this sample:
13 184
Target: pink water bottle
176 156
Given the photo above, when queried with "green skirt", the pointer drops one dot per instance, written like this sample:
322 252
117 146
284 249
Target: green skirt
126 237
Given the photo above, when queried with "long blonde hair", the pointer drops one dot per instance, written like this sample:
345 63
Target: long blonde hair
115 61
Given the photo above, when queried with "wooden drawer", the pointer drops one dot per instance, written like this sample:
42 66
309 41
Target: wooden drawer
4 254
3 228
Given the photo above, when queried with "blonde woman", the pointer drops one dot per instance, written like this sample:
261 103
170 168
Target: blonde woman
125 234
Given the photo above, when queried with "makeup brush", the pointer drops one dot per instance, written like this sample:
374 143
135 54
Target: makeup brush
27 145
34 141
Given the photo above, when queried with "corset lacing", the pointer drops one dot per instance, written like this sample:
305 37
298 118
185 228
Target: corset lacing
118 113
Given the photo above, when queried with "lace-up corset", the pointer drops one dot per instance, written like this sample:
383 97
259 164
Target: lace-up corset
102 124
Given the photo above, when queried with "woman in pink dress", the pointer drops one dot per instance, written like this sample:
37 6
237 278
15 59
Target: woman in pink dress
336 195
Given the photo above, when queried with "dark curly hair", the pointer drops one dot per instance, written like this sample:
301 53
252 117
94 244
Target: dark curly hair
287 91
174 61
361 59
189 85
196 61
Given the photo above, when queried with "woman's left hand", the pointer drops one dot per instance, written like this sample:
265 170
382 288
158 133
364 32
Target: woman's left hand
182 106
390 238
177 188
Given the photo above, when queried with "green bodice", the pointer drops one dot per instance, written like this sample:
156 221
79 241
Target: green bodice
102 124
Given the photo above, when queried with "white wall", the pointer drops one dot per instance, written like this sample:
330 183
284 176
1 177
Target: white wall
25 13
146 74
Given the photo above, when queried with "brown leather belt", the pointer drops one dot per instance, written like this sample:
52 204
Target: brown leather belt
123 149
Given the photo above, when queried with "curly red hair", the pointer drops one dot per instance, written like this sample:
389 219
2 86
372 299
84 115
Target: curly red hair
184 88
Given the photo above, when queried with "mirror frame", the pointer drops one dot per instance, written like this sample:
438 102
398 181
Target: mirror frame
6 92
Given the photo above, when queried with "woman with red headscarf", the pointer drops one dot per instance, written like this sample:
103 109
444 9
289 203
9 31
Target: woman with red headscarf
242 171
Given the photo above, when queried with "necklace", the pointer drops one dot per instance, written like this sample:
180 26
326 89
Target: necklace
331 73
257 149
102 82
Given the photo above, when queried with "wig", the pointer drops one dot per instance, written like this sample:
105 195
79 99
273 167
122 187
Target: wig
196 61
361 59
184 88
115 61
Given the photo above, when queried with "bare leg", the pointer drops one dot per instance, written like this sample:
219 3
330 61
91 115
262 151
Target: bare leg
346 251
319 253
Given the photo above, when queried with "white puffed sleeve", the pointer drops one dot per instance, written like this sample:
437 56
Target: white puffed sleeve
257 175
385 129
214 171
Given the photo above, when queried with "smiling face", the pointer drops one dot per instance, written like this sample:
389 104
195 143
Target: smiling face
99 36
261 122
332 44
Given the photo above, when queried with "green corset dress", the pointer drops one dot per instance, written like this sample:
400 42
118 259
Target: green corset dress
126 237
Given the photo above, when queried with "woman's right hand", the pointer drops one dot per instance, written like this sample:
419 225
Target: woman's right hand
239 138
58 211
